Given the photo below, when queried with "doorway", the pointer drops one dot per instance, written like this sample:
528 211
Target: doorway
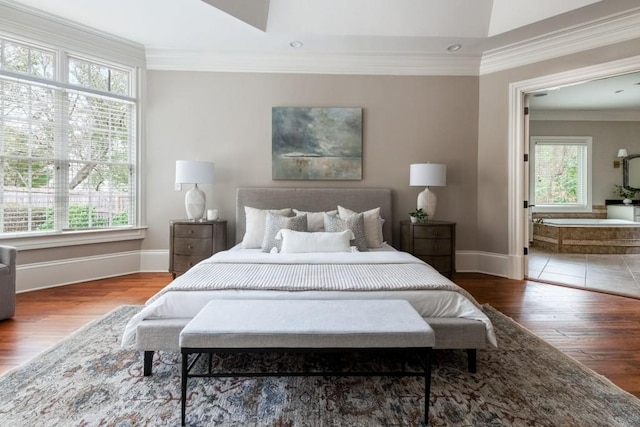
518 218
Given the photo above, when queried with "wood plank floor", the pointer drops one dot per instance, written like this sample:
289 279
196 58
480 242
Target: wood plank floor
601 331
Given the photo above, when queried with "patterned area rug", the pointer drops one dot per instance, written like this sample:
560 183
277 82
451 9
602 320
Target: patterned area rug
88 380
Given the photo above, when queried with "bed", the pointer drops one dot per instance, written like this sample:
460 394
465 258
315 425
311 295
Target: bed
246 272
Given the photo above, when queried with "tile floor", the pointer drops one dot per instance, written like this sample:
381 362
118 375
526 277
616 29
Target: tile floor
618 274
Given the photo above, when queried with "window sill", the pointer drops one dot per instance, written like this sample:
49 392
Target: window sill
73 238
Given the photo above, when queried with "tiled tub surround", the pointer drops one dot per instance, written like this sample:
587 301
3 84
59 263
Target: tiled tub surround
600 237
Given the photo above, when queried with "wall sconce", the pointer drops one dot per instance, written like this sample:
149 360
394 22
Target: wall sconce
622 153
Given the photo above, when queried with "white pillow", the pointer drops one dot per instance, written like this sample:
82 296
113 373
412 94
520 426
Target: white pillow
300 242
372 225
255 222
315 220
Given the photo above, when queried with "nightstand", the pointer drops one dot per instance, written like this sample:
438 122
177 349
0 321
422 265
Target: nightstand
434 242
191 242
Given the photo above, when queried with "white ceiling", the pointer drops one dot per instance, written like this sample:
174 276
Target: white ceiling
353 26
359 36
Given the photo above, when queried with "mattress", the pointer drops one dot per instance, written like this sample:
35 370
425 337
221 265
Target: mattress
252 274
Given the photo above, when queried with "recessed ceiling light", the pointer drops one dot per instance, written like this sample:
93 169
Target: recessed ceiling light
296 44
454 47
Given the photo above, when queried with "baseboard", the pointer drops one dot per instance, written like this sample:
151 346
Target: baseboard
31 277
41 275
483 262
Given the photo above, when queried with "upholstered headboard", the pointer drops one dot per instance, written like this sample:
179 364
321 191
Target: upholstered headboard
315 200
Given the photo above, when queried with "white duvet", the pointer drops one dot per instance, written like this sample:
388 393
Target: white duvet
430 293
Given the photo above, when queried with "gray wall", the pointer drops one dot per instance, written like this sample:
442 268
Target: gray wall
226 118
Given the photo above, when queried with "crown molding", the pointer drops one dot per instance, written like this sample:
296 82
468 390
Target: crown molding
616 29
48 30
366 64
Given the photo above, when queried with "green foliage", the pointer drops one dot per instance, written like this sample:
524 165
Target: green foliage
556 174
419 214
619 190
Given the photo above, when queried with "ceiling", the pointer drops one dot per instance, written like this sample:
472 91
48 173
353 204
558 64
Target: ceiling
364 36
417 28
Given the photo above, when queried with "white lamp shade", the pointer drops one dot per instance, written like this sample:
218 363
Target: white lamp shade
428 174
194 172
622 152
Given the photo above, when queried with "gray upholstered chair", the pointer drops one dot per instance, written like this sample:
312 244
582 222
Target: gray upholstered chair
7 281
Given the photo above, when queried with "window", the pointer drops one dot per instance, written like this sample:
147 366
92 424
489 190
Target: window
67 142
560 175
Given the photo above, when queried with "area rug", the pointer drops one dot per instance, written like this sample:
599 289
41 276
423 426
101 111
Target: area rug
89 380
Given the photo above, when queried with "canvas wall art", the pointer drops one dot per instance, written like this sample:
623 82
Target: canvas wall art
316 143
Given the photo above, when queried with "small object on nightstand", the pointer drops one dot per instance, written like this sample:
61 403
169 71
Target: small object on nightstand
191 242
434 242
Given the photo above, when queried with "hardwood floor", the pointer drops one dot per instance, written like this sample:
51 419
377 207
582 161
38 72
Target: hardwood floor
601 331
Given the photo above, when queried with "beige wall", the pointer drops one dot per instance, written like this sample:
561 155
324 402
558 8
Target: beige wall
226 118
608 137
493 173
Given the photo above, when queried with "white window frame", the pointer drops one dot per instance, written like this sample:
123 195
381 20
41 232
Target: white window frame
24 26
586 141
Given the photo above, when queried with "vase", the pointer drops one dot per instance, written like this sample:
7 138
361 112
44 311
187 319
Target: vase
413 219
627 201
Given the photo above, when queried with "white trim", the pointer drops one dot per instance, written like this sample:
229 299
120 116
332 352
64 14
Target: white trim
603 32
344 63
42 275
72 238
587 116
484 262
154 261
516 194
29 23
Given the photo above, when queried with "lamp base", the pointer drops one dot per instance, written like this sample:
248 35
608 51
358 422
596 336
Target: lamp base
195 202
427 201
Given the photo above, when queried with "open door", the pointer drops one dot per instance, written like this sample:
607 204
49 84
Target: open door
528 220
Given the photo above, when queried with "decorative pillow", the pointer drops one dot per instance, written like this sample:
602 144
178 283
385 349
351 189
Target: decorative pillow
372 225
315 220
276 222
354 223
255 223
297 242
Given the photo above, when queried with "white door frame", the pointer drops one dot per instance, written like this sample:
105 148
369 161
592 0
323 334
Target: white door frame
517 215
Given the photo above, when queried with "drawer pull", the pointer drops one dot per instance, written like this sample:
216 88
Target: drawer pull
189 247
190 231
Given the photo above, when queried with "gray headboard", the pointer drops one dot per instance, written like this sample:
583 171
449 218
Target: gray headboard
315 200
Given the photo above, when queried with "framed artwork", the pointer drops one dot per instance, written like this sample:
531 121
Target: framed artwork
316 143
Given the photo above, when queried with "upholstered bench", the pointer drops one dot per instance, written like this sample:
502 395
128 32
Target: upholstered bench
224 326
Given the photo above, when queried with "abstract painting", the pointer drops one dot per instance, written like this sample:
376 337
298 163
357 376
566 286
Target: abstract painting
316 143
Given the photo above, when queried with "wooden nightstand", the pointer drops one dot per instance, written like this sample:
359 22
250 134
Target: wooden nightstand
434 242
191 242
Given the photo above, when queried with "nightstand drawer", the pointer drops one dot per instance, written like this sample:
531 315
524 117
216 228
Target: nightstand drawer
191 242
432 247
196 231
182 263
432 232
192 246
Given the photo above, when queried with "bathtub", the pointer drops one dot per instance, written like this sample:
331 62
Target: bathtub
590 222
587 235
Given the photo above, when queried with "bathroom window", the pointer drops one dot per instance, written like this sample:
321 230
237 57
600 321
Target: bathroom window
560 174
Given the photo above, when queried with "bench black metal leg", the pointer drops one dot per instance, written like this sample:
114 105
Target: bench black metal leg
148 363
185 371
472 355
427 385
